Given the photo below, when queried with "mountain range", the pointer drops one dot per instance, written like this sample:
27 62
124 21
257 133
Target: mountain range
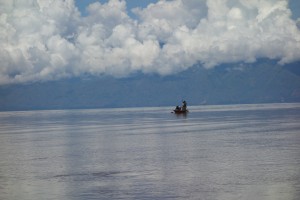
262 82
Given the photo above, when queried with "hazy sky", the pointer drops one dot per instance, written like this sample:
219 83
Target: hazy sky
45 40
294 5
130 4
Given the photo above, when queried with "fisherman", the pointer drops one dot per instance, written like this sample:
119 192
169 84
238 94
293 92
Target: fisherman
184 105
177 108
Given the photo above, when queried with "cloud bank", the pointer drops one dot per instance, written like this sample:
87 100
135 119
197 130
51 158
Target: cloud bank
46 40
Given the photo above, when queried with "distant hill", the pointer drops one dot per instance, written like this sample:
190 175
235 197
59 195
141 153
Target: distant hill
263 82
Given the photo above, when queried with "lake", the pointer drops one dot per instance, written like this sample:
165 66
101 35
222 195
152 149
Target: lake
229 152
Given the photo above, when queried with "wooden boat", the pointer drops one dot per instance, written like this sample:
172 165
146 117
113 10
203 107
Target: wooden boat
180 111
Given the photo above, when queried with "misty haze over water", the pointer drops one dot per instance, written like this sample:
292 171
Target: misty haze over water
215 152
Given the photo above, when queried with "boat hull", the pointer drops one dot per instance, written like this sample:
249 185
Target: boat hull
180 111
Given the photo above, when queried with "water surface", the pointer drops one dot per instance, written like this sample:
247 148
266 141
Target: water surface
214 152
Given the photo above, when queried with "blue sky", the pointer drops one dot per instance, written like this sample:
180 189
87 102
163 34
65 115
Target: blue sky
130 4
295 7
82 4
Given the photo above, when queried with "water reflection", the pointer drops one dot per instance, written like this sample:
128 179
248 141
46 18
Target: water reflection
214 152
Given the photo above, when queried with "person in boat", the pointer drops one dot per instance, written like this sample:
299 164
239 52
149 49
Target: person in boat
184 106
177 108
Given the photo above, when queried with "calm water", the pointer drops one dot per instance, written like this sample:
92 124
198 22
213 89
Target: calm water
215 152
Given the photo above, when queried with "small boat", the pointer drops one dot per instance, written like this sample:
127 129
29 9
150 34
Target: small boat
180 111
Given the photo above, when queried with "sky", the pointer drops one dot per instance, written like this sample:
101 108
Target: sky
130 4
48 40
294 5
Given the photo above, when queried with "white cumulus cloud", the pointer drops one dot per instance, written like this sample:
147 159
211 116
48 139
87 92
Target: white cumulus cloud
44 40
